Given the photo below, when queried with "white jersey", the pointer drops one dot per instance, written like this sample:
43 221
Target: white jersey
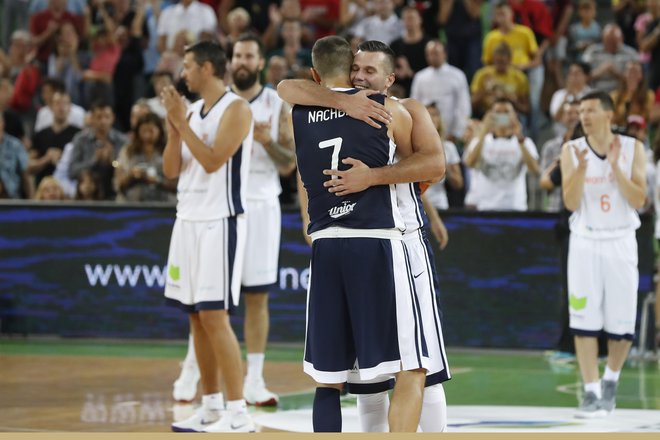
203 196
604 212
264 181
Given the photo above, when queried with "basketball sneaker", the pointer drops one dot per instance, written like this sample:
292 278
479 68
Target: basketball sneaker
185 387
256 393
202 418
232 422
590 407
608 401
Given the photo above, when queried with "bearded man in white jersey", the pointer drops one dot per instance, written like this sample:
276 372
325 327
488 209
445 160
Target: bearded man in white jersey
272 154
373 68
604 182
208 148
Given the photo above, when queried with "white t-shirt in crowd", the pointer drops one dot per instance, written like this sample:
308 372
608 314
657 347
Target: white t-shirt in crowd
437 194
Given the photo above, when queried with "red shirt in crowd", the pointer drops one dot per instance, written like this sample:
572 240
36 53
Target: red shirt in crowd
39 24
535 15
25 86
329 12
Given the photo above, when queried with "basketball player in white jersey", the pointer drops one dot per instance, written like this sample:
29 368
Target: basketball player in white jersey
272 154
209 147
604 182
373 69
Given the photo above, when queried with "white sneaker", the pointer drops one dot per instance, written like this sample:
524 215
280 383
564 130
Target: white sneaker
256 393
198 421
232 422
185 387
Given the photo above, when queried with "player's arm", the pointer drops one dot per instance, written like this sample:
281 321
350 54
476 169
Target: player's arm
573 176
423 161
302 196
357 106
172 152
437 226
633 188
282 150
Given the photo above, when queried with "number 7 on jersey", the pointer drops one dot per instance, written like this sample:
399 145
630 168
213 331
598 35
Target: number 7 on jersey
335 143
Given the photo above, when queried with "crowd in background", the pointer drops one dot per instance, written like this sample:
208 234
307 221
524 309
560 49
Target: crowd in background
80 80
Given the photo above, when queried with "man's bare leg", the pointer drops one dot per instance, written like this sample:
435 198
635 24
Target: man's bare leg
406 405
208 367
586 351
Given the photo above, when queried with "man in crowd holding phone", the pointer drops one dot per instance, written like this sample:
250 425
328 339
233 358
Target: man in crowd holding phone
499 158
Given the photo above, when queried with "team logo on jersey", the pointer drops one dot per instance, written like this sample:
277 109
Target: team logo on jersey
342 210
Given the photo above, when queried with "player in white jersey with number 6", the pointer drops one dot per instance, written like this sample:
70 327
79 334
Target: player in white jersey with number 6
604 182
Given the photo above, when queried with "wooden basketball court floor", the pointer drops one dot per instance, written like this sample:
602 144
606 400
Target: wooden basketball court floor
123 386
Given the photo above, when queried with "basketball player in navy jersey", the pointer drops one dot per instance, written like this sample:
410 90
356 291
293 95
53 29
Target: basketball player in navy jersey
604 183
362 311
208 148
373 68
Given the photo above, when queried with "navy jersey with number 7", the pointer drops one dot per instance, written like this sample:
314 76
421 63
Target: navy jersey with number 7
324 137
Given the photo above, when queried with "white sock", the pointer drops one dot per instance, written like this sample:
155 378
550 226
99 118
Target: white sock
611 375
237 406
255 366
190 354
213 402
372 411
434 410
594 387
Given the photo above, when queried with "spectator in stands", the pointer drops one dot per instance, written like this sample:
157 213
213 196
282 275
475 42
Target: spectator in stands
551 151
132 36
151 53
651 44
461 20
49 190
636 127
586 31
446 86
97 147
384 25
641 23
297 56
562 12
105 56
499 80
45 24
139 174
625 13
189 15
13 123
23 72
76 7
67 63
13 166
74 113
89 187
48 143
277 70
608 59
526 54
260 11
633 96
502 155
437 193
577 86
238 23
140 109
159 80
410 48
14 14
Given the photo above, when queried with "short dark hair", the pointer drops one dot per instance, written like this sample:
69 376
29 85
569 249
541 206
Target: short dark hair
54 83
502 4
209 52
585 67
99 104
249 36
332 55
602 96
379 46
